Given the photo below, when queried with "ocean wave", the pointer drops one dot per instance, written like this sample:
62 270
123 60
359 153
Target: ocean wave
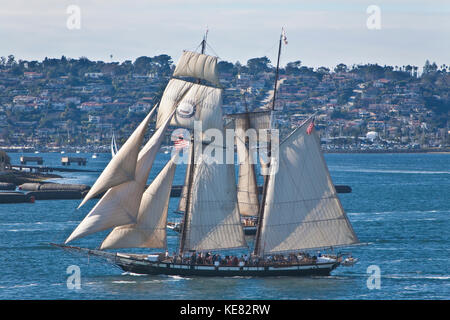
424 277
127 273
398 212
388 171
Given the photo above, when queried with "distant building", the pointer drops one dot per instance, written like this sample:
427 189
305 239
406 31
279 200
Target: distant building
32 75
93 75
90 106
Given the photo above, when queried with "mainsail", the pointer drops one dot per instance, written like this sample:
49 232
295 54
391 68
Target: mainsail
122 167
120 204
197 65
302 210
150 229
212 219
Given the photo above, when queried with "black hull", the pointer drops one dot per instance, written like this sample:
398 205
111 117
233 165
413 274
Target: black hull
140 265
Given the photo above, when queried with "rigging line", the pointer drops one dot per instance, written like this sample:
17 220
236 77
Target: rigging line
74 212
218 57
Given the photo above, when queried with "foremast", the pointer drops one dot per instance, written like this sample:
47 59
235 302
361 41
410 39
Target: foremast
211 214
189 175
257 248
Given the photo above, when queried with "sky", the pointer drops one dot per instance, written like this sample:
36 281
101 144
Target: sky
319 33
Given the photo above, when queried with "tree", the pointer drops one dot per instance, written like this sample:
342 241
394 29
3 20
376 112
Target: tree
142 64
257 65
225 67
293 67
164 63
10 61
341 67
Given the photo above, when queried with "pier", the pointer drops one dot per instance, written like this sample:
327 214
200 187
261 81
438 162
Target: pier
41 169
65 161
24 160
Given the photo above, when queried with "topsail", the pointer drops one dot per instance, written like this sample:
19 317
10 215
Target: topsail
192 102
197 65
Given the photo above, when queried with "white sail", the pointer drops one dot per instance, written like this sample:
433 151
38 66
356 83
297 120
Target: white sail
113 145
150 229
247 189
184 191
258 120
122 167
192 102
120 204
302 210
213 219
197 65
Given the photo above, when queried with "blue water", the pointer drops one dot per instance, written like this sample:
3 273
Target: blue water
400 206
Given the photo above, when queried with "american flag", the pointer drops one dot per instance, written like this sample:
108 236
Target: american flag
310 127
283 32
181 144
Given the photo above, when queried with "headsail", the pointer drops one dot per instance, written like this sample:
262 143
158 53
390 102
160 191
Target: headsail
213 219
192 102
197 65
302 210
122 167
120 204
150 229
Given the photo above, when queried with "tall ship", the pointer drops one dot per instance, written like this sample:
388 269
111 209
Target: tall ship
298 213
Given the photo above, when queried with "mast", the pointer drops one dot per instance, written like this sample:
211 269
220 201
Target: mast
276 72
257 249
189 172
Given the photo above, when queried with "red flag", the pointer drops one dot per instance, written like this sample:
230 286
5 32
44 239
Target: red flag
181 144
310 127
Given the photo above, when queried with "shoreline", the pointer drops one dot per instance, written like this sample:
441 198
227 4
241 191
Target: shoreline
18 177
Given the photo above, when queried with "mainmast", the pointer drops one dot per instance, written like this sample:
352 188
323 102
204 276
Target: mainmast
257 249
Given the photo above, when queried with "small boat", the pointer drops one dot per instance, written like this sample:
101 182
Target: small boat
349 261
114 148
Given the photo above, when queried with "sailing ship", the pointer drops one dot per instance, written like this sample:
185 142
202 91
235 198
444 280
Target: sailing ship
114 148
299 210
